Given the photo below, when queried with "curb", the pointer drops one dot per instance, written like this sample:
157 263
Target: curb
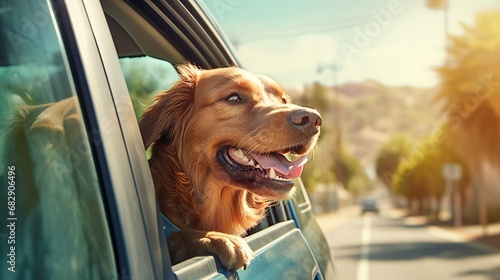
462 239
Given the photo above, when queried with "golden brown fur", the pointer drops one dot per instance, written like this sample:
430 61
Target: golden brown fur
188 126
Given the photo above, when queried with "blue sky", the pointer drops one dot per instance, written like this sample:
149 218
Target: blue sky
397 42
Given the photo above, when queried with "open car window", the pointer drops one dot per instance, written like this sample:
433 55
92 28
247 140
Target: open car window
146 77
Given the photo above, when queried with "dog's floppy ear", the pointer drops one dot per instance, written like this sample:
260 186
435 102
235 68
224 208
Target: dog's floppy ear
166 119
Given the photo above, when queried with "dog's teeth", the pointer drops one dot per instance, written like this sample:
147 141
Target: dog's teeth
239 153
272 173
249 161
281 179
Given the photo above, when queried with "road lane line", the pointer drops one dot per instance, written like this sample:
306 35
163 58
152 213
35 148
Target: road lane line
363 265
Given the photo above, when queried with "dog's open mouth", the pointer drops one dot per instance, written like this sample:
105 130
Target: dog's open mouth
271 170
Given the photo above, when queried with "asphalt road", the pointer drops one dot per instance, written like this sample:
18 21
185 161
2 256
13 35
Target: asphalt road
386 247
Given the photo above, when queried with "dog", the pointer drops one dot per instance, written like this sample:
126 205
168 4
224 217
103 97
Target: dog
219 138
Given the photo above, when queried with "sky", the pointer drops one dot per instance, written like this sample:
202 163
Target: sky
297 42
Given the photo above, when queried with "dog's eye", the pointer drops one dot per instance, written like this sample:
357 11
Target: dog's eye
234 98
283 100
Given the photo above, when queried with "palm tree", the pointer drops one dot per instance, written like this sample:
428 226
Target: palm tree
470 92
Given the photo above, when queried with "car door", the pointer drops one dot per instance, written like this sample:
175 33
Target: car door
72 155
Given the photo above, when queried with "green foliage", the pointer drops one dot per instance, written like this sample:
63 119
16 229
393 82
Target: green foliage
419 176
323 168
146 77
315 173
353 175
390 155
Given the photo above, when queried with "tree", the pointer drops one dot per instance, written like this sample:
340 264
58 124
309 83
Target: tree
353 175
470 89
419 177
319 169
409 182
146 77
390 154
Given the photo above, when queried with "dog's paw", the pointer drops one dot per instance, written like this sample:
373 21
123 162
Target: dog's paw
232 250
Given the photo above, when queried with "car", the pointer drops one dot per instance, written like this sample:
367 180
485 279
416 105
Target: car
369 205
75 77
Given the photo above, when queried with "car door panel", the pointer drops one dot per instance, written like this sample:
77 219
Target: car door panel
281 252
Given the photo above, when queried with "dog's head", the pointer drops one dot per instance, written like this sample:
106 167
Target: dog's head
231 128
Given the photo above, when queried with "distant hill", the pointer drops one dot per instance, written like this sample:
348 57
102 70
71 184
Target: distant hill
371 112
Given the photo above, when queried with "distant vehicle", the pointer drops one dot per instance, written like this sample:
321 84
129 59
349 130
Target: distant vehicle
369 205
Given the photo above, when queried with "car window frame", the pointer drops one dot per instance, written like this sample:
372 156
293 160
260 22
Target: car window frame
278 213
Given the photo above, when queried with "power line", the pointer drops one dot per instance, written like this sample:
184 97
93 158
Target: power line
298 31
305 29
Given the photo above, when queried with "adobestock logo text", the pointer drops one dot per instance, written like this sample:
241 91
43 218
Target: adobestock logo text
364 36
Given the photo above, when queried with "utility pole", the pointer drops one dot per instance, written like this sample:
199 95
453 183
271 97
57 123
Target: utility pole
335 68
452 173
445 6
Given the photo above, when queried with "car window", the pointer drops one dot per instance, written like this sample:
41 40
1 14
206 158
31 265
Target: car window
147 77
53 221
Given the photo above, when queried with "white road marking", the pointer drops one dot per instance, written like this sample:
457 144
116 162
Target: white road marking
363 265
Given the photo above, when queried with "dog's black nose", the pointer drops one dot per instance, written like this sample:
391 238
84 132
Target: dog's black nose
305 119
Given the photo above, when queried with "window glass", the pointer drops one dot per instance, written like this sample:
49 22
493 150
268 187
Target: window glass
52 219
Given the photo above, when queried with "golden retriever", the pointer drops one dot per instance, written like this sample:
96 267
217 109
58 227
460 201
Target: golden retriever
218 160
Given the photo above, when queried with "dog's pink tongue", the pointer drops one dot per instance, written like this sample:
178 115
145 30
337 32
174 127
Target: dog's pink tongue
280 163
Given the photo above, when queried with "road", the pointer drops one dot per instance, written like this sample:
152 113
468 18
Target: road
386 246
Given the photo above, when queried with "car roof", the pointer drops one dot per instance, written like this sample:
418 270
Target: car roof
145 28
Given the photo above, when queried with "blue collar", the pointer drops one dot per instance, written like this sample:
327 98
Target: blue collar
168 226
